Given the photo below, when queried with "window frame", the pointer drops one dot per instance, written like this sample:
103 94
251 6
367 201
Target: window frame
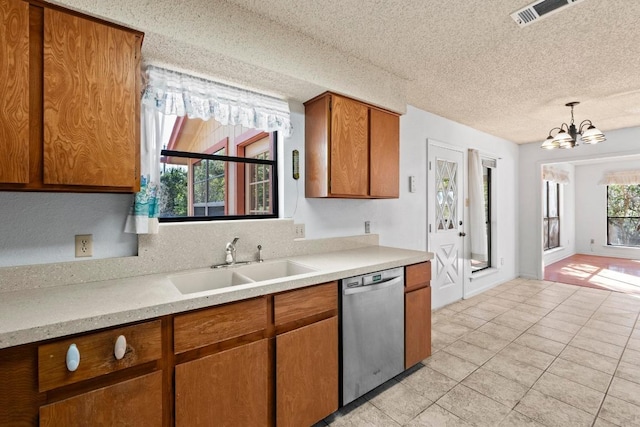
243 161
618 217
488 203
547 217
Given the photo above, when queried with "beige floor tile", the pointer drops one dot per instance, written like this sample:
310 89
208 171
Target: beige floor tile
473 407
620 412
589 359
470 352
609 327
528 355
440 339
634 344
596 346
516 419
569 392
512 297
485 341
581 374
399 402
604 336
509 320
480 313
561 325
514 369
550 333
363 414
552 412
628 372
497 387
436 416
571 318
429 383
578 311
498 305
603 423
450 365
467 320
625 390
620 311
499 331
536 342
533 309
451 329
628 321
541 302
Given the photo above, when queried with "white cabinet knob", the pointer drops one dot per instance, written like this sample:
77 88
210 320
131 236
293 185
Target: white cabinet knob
120 348
73 358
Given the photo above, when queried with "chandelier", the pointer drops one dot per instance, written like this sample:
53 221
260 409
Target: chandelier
566 136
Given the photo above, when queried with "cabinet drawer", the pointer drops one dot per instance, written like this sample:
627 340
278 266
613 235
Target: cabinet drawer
206 327
417 276
97 354
301 303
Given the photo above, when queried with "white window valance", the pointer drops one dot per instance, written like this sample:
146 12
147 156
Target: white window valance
175 93
621 178
549 173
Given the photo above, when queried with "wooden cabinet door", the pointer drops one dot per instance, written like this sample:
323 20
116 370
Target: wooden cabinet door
384 154
91 129
349 161
230 388
136 402
307 374
417 343
14 91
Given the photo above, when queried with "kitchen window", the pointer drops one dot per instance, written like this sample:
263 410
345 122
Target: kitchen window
623 215
551 214
210 171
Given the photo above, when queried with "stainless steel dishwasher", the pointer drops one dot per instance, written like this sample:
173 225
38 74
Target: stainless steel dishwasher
372 318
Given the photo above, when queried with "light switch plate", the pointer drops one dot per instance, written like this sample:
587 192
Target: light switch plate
412 184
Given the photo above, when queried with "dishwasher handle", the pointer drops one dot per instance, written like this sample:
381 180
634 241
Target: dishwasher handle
376 287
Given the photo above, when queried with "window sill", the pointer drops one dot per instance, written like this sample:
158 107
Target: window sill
554 250
482 273
633 248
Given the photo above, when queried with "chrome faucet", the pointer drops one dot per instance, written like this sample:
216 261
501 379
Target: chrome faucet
231 251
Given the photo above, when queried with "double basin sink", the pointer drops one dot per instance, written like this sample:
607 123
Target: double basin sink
209 279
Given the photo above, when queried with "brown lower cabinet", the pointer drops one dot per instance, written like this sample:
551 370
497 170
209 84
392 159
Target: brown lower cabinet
135 402
307 374
229 388
417 313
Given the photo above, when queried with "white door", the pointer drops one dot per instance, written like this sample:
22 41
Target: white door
445 228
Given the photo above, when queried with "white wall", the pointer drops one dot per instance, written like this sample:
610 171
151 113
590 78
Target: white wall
402 222
619 142
567 218
591 202
38 228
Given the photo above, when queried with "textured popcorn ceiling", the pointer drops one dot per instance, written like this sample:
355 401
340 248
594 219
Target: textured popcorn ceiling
463 60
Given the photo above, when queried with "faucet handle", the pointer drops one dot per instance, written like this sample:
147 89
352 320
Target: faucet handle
260 253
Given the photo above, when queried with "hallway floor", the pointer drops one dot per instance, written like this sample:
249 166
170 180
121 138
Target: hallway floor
616 274
526 353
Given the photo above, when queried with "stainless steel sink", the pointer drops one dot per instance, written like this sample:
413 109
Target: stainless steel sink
274 270
209 279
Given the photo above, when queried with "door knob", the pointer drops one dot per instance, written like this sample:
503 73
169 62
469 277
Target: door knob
462 234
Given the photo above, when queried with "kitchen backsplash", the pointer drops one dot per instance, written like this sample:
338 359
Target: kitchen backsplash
181 247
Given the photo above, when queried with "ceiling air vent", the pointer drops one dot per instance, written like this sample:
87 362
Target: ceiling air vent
540 9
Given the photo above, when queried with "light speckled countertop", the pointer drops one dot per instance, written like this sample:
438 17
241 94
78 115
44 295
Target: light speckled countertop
32 315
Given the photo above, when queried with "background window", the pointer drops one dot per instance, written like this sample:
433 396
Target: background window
623 215
551 214
477 265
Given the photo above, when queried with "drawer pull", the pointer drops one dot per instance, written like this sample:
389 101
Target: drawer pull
120 348
73 358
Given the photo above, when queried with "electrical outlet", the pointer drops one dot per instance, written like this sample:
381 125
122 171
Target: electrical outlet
299 231
367 227
84 245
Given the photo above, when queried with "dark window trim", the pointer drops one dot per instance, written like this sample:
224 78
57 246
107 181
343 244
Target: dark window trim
274 183
547 217
488 223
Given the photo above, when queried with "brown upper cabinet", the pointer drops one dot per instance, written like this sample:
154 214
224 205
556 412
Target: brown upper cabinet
70 110
352 149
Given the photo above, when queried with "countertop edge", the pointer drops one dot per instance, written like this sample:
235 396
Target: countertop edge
169 301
